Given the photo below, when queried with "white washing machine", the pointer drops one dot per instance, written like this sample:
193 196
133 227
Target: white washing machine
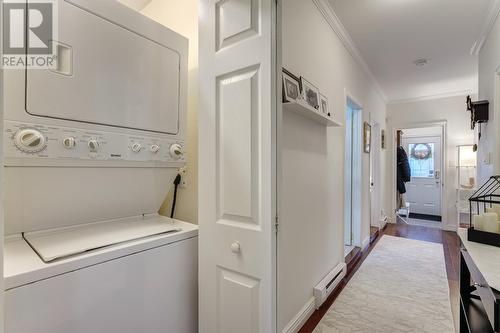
91 149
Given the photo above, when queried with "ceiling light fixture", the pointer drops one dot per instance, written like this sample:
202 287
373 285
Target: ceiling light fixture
421 62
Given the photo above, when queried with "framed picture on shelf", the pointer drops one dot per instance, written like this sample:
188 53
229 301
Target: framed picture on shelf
367 137
323 105
382 139
291 88
310 93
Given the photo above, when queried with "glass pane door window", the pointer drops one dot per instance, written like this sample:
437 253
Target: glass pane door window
421 158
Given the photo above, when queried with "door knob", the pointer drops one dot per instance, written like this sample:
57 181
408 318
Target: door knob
235 247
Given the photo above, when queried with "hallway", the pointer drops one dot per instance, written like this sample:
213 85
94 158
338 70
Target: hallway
245 166
450 244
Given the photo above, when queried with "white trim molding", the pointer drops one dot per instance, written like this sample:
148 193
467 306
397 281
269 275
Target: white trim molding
443 124
431 97
493 13
334 22
300 318
366 243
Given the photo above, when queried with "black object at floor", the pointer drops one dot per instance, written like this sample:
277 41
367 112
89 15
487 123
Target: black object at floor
425 217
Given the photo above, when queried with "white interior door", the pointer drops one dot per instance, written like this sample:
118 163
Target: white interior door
237 199
424 191
374 176
1 181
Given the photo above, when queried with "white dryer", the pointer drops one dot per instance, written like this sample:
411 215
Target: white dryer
91 149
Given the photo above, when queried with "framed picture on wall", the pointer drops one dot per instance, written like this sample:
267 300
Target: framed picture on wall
323 105
367 137
382 139
310 93
291 88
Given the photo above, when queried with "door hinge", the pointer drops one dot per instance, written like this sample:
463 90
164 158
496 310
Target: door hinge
276 223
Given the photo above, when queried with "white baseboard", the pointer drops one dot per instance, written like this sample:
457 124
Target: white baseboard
365 243
300 318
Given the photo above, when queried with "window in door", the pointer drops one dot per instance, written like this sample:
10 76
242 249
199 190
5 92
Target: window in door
421 158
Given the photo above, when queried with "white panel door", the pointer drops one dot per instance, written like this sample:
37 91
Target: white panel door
237 165
375 179
424 191
1 181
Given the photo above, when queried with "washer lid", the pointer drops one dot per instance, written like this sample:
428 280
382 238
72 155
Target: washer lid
56 244
111 72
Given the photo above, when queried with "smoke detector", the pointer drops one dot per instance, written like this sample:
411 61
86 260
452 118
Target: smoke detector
421 62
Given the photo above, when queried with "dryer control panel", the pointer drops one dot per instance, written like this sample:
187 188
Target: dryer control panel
24 140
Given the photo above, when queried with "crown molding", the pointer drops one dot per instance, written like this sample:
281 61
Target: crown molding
431 97
334 22
493 13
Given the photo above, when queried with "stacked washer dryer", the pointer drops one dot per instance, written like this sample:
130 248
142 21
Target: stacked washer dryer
91 149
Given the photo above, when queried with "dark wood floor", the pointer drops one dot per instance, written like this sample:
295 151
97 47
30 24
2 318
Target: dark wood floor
451 244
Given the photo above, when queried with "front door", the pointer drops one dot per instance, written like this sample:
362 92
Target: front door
423 192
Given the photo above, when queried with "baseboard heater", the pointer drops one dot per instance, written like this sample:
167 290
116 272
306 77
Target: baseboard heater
328 284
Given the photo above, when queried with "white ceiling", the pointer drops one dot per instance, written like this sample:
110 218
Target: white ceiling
391 34
135 4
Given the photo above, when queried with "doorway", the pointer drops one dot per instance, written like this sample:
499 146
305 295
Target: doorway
422 201
353 174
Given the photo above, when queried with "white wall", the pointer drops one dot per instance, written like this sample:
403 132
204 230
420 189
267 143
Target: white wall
451 110
489 65
310 240
182 17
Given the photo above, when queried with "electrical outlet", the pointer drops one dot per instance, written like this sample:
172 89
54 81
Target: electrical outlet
183 173
487 159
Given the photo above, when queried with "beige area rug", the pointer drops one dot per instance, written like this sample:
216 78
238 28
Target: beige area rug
400 287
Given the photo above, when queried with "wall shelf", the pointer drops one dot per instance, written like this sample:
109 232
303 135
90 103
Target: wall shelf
302 108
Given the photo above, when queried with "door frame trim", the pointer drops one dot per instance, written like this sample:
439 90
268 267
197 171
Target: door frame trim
496 108
443 124
356 229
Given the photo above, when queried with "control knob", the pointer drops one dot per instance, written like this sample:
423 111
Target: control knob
94 145
69 142
154 148
176 151
136 147
30 140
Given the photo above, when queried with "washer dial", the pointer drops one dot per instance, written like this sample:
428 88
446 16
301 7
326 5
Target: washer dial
136 147
30 140
69 142
94 145
176 151
154 148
